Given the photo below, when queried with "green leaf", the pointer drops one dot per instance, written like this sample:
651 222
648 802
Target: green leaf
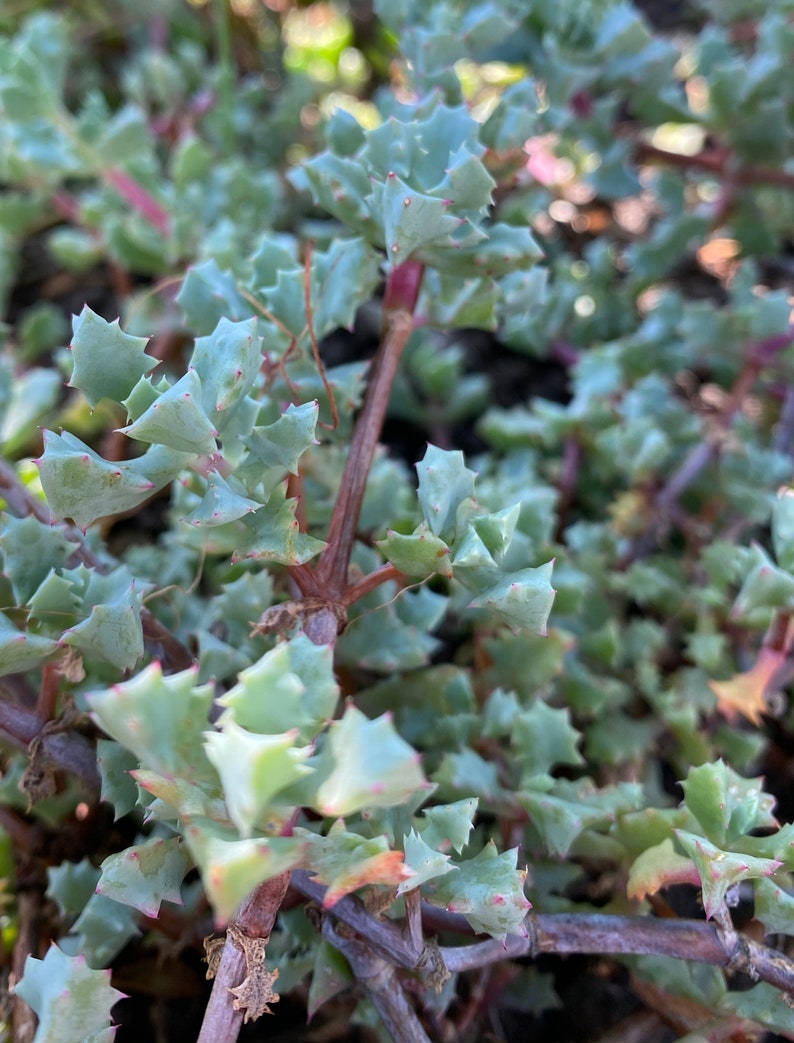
420 554
282 443
113 629
108 363
425 863
73 1002
346 861
521 599
331 973
764 1004
32 395
30 550
411 220
103 928
227 362
448 825
253 768
444 481
69 469
725 804
231 869
765 587
291 686
145 875
82 486
783 529
208 296
70 885
160 719
20 651
221 503
274 534
489 891
543 737
721 870
177 419
365 764
774 907
658 867
118 787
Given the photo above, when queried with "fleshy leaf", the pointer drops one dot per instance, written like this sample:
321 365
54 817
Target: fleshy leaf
423 861
118 788
521 599
145 875
253 768
209 295
20 651
108 363
103 928
764 1004
221 504
444 480
657 867
113 628
330 976
161 719
365 764
420 554
82 486
291 686
281 443
774 907
411 220
73 1002
721 870
346 861
227 362
273 533
448 825
489 891
177 419
30 550
746 693
70 885
544 737
231 869
725 804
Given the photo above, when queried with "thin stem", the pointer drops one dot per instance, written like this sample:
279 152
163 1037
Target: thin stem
356 591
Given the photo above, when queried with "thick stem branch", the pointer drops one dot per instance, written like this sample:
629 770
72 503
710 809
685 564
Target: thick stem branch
256 918
379 978
332 568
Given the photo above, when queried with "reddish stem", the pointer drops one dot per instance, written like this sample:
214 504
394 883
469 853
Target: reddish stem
139 199
329 578
716 161
356 591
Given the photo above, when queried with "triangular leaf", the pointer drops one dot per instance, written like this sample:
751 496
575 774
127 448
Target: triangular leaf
73 1002
145 875
365 764
108 363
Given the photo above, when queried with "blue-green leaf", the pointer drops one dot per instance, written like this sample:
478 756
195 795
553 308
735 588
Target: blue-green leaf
108 363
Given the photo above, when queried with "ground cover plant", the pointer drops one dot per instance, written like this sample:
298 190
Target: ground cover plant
396 408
